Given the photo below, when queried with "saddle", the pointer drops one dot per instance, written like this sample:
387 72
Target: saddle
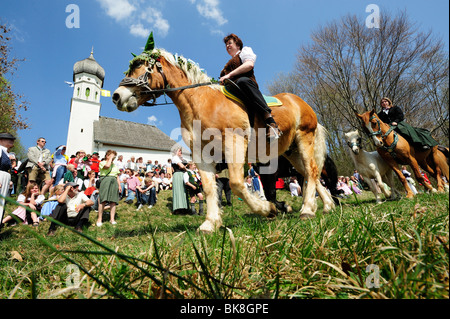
270 100
232 91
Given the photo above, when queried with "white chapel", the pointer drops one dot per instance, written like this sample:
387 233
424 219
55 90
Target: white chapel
91 132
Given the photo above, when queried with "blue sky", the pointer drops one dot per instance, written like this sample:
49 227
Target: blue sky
192 28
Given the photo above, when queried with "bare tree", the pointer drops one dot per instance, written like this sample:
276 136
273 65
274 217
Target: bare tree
349 67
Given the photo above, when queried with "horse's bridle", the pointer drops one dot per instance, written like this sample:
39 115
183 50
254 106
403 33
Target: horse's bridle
389 148
142 82
357 143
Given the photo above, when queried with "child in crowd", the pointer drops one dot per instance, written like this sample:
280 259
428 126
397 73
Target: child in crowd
31 199
68 176
146 194
193 188
52 201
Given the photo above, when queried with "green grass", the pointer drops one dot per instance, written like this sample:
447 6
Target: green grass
153 254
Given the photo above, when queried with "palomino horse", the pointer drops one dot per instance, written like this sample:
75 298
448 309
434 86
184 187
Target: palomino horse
395 149
156 71
371 166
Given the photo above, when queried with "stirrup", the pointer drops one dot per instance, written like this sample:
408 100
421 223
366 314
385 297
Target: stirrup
276 132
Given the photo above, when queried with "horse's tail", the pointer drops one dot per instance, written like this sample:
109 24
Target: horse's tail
444 168
444 150
326 166
320 146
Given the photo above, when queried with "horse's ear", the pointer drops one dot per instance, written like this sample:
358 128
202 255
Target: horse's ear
357 114
150 45
372 112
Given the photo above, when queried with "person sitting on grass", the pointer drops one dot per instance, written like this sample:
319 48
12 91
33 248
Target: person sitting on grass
193 188
73 209
31 199
146 194
52 202
132 183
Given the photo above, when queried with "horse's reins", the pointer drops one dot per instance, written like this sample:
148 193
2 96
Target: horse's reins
389 148
142 81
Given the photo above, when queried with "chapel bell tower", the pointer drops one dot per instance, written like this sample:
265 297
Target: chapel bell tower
88 77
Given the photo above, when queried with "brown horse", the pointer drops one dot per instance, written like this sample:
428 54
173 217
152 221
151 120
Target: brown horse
395 149
205 107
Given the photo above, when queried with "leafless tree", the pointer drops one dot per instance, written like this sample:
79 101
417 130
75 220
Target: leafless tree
349 67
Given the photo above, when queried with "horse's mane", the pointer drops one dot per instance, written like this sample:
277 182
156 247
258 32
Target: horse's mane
194 73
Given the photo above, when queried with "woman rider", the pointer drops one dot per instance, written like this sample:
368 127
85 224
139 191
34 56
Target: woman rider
419 138
239 69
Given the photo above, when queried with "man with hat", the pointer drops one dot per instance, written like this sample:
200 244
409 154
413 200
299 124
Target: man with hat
6 143
73 209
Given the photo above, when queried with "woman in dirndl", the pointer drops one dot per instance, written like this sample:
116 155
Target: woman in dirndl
179 196
109 187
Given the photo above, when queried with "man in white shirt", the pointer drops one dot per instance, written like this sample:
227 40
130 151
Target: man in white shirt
73 209
6 143
119 162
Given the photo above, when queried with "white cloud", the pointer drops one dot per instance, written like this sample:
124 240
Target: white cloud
155 18
152 120
210 10
141 17
117 9
139 30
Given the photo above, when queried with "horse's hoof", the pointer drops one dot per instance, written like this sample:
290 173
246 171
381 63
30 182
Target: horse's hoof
307 216
288 209
273 211
208 227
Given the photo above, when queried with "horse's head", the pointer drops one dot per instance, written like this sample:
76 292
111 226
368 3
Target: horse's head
353 139
143 77
370 123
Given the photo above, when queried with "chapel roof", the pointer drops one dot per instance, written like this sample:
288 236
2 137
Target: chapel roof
130 134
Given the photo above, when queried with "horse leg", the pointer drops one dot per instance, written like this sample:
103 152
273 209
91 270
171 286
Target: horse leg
304 162
213 219
389 180
393 164
257 206
270 191
435 158
415 168
379 180
373 188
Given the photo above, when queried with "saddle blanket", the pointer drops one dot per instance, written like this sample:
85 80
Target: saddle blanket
270 100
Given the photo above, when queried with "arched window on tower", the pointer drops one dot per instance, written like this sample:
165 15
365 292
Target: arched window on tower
78 92
88 92
96 95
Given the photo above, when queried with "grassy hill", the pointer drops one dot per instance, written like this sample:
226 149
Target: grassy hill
397 249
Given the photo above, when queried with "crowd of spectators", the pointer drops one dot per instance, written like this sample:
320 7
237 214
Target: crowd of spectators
68 188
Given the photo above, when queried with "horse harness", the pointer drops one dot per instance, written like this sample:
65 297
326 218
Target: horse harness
357 143
390 149
142 82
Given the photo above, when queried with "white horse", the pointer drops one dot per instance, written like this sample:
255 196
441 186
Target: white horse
371 166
